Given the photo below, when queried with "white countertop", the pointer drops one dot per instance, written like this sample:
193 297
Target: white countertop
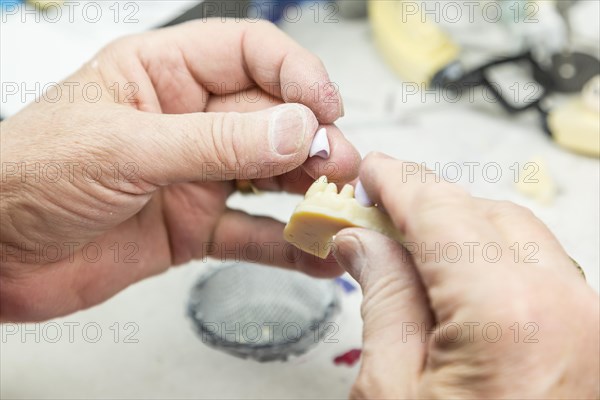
168 360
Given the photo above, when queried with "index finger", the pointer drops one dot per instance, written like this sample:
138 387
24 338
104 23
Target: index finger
229 56
435 218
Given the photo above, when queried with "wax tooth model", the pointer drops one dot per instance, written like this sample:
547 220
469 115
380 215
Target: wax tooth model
324 212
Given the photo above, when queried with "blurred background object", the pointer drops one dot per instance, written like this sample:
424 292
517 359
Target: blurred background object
352 9
411 40
416 48
262 313
575 125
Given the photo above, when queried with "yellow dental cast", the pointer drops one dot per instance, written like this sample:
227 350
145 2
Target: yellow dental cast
324 212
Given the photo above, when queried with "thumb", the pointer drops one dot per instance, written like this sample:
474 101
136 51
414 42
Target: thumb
226 146
395 311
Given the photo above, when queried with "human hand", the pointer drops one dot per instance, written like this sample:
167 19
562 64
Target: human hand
147 140
444 319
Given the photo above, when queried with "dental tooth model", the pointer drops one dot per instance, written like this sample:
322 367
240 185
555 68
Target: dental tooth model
324 212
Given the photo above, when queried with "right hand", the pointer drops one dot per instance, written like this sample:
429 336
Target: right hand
440 326
207 110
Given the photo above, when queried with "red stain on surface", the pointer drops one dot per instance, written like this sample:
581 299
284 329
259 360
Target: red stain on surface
349 358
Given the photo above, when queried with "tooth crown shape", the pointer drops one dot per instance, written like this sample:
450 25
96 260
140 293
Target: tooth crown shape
324 212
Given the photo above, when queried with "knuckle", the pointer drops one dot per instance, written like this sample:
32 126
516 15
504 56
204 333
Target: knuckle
226 133
363 387
373 157
369 385
313 59
358 391
263 24
509 209
371 167
440 196
120 44
262 27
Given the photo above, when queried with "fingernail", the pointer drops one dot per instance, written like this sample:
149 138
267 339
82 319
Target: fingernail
320 145
349 253
361 196
288 129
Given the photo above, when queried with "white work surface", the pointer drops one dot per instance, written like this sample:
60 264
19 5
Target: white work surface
169 361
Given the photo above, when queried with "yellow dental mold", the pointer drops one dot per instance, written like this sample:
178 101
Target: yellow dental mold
324 212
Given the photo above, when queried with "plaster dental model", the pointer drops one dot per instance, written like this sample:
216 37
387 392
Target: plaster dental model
324 212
